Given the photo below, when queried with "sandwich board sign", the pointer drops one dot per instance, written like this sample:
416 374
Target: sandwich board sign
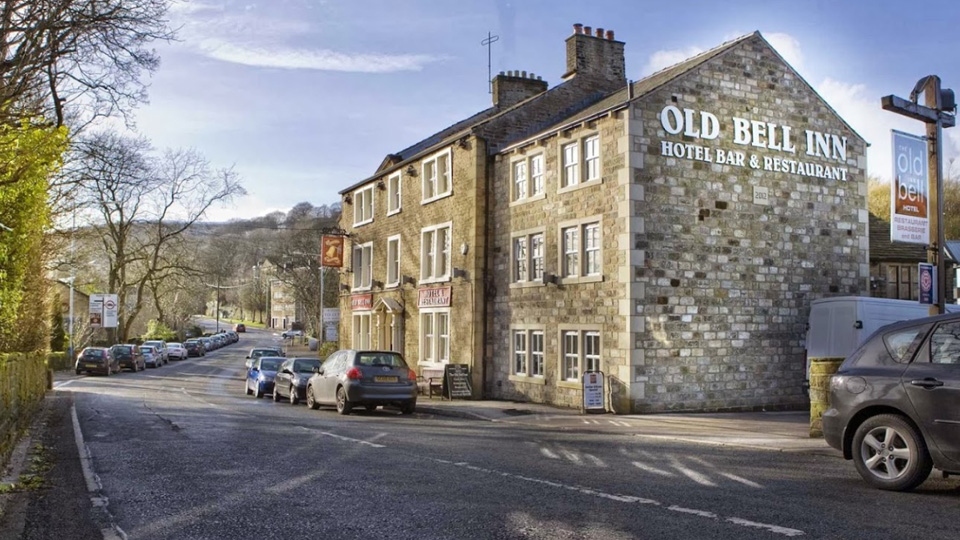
593 392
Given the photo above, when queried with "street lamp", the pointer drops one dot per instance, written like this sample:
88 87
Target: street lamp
70 280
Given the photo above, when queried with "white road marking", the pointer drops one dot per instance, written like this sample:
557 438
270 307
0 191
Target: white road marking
61 384
549 453
114 532
651 469
342 438
692 474
596 461
629 499
742 480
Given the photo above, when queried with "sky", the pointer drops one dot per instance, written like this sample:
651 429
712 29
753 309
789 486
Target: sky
304 98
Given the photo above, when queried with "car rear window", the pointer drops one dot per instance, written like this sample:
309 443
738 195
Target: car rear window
93 353
903 344
121 349
380 359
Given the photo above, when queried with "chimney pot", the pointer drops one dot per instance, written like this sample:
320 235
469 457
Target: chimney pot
599 32
610 35
501 73
523 74
587 30
577 28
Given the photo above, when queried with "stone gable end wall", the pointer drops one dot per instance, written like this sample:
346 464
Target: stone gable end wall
728 283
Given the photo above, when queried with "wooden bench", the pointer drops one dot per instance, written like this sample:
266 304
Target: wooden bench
430 381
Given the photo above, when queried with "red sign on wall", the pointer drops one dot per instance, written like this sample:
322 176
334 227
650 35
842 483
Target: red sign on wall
361 302
434 297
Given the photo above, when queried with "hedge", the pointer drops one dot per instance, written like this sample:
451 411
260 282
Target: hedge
59 361
23 383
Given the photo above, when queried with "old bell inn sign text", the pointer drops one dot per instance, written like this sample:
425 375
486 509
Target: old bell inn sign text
703 125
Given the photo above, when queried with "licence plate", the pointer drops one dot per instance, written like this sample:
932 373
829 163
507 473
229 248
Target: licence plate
91 365
386 379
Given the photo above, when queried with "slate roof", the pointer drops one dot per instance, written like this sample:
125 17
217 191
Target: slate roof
652 82
883 250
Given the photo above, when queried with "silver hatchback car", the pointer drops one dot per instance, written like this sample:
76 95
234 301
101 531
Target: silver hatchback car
349 378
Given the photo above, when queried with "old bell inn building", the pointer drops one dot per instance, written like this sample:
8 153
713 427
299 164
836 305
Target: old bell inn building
669 232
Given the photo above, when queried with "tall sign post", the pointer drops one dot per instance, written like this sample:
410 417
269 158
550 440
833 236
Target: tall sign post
331 254
938 112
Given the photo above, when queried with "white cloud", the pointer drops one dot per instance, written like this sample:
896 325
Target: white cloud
664 59
315 59
788 47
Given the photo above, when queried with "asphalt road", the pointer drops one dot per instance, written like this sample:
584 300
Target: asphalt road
182 453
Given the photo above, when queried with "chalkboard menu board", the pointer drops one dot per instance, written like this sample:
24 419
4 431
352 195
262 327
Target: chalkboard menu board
456 381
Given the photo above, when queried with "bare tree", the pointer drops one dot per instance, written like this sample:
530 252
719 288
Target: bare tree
140 207
76 60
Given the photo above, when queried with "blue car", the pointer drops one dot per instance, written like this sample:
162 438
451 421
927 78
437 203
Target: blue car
261 374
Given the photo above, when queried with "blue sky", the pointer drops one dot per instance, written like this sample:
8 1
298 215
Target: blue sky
306 97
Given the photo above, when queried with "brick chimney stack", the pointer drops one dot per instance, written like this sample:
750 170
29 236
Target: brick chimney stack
595 56
513 87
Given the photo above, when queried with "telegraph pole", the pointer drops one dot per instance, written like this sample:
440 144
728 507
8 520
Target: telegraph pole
938 112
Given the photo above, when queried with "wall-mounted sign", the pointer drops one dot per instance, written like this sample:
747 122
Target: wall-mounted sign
703 125
331 251
434 297
761 195
361 302
909 220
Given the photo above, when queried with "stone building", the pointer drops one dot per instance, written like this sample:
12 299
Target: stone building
669 232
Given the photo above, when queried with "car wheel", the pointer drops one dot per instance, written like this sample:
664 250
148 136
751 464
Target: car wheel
79 372
408 407
311 402
246 386
370 408
294 398
276 395
258 391
343 406
890 454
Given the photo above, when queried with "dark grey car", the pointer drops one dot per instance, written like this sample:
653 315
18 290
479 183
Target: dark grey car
291 380
349 378
894 403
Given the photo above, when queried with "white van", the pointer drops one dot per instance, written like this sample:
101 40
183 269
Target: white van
838 325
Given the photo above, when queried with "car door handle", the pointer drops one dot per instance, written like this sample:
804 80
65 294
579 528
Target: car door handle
927 383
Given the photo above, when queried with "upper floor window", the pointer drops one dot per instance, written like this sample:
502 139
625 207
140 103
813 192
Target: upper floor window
393 261
528 257
393 194
363 265
527 174
436 176
580 249
573 173
435 253
363 206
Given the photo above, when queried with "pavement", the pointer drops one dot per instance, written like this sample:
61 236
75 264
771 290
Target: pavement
782 431
45 493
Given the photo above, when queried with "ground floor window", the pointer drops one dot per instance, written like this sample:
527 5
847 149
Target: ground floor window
528 352
361 330
579 352
435 336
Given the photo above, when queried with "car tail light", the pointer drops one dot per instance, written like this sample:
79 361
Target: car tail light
354 374
411 374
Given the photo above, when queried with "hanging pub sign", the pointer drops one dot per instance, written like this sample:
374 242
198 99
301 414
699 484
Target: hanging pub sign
331 251
909 218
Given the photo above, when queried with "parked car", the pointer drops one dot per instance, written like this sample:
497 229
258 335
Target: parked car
176 351
194 348
161 347
97 360
260 376
349 378
208 344
240 327
257 352
287 334
291 380
129 357
893 403
151 356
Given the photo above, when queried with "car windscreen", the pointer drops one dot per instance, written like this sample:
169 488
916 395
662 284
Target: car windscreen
306 365
380 359
270 364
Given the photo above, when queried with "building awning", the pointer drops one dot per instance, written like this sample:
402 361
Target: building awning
389 304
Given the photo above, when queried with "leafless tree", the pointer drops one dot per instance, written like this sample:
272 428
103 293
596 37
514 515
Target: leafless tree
73 61
141 207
